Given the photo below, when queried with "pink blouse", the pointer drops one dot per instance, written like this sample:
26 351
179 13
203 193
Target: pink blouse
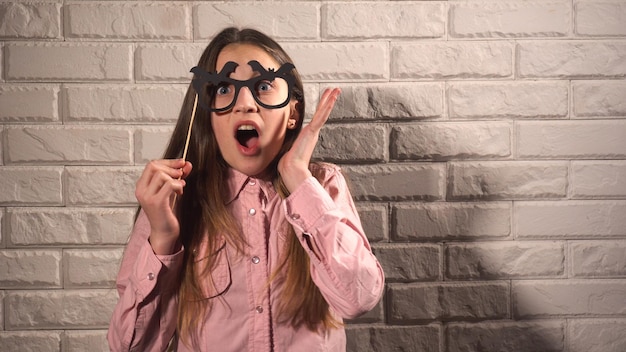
242 316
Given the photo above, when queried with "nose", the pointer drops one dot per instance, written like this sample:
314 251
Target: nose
245 101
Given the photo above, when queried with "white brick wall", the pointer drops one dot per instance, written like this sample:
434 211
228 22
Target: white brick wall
485 141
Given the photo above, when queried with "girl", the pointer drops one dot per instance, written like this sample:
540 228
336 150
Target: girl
245 246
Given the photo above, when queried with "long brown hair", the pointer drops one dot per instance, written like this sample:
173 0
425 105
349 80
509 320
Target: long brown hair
202 210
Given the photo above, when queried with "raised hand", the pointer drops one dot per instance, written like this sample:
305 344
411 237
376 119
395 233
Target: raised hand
155 190
294 165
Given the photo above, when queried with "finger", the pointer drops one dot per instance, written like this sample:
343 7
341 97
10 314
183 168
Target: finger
326 104
169 166
159 181
167 163
307 139
155 175
168 189
186 169
324 107
160 192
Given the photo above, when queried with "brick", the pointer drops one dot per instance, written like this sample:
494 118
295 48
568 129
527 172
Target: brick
562 139
29 103
91 267
68 145
397 181
139 21
375 315
312 93
571 59
340 61
1 146
596 335
403 101
439 60
575 298
150 143
25 20
284 21
599 98
598 179
598 258
374 219
443 221
507 180
445 141
419 302
30 268
66 309
2 325
504 260
569 219
40 341
508 99
102 185
410 20
600 18
68 226
547 336
123 103
409 262
85 340
2 241
68 62
30 185
510 19
355 143
166 62
396 338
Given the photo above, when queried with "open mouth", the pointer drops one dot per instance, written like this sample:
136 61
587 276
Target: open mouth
247 136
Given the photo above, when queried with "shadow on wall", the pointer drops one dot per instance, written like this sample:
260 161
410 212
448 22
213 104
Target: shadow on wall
464 275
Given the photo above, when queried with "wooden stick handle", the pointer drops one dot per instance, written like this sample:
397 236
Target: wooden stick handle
193 115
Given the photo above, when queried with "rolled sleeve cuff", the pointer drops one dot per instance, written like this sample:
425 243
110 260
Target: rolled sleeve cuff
307 204
151 269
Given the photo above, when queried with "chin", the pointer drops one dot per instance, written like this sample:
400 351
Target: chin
257 171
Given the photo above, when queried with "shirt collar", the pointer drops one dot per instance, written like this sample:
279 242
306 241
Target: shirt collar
237 181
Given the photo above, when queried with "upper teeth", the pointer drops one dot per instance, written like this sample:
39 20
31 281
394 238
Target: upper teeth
245 128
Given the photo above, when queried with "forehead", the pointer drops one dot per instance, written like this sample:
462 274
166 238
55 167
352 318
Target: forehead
242 54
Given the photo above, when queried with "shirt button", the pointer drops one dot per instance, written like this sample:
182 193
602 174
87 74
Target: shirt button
252 182
256 260
252 211
295 216
150 276
259 309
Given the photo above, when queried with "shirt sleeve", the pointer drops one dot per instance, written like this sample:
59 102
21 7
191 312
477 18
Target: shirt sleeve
144 318
342 264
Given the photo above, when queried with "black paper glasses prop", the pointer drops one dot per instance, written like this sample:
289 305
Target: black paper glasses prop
217 92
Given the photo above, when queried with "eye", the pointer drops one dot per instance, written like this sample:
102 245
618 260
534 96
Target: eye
223 89
264 86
